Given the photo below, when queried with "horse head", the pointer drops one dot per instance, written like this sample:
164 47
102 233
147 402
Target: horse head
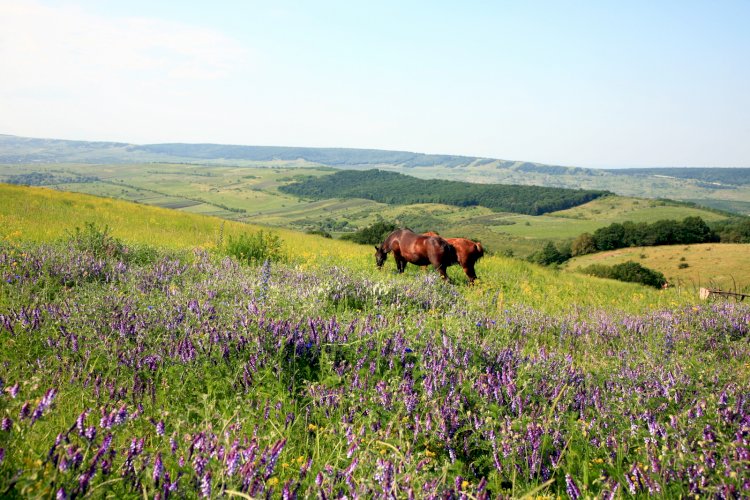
380 256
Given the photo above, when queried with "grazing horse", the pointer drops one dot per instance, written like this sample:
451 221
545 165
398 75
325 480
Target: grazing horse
407 246
468 253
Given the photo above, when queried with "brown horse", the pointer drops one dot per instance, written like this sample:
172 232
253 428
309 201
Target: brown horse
468 253
407 246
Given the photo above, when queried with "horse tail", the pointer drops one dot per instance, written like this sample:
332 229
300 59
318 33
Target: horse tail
480 249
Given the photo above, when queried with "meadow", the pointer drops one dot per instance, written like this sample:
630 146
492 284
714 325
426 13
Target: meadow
250 194
143 361
725 266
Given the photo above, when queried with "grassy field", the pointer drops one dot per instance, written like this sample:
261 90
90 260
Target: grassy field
185 372
725 266
250 194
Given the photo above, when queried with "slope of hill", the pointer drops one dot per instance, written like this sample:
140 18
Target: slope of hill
251 194
725 266
194 374
399 189
726 189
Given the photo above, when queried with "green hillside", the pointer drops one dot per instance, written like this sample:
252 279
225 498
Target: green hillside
151 360
726 189
398 189
252 194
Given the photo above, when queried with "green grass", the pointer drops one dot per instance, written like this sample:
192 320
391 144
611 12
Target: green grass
250 194
40 214
340 363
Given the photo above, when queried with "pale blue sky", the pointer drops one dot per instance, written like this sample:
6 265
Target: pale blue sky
595 84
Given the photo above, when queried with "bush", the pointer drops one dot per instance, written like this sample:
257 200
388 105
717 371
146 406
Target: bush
550 255
319 232
97 241
629 271
371 235
255 248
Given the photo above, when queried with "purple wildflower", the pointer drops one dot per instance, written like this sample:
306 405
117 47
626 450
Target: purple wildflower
46 401
6 424
571 488
158 469
206 485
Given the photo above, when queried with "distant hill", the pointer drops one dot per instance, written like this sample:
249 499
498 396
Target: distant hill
723 188
399 189
715 176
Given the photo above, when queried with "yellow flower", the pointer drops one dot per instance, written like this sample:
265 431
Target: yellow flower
312 427
465 484
273 481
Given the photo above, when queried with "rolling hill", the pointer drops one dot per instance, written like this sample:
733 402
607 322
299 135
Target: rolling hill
727 189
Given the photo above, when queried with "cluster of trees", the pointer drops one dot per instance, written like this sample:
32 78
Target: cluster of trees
48 179
629 271
398 189
734 230
371 235
632 234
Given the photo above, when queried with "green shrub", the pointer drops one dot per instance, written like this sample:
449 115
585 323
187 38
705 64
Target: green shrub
97 241
255 248
629 271
371 235
319 232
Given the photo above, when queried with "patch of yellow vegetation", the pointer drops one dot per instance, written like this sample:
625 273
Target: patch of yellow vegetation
721 265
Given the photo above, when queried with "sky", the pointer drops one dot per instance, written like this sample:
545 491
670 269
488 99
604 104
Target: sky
578 83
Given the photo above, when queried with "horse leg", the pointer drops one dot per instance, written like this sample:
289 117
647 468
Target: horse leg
400 263
469 271
441 269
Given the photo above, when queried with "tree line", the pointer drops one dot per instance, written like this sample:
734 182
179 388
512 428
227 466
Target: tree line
643 234
398 189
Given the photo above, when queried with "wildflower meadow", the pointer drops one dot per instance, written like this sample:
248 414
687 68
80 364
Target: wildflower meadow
140 372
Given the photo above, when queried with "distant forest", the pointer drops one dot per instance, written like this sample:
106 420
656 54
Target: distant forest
736 176
398 189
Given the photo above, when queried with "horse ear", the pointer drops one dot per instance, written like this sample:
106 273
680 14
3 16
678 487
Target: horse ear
376 247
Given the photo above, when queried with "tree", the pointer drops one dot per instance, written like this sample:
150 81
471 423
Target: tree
548 255
583 244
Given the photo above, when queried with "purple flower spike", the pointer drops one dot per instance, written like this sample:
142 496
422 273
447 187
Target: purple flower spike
46 401
158 469
571 488
61 495
206 485
7 423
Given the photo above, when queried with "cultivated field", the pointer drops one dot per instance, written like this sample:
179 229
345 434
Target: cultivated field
158 369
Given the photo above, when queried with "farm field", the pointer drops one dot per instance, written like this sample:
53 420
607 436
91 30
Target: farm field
150 361
725 266
250 194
